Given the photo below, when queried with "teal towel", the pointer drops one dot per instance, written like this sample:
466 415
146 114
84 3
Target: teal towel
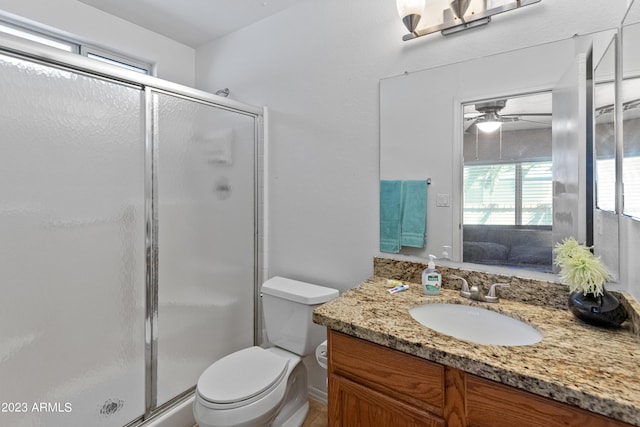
390 216
414 213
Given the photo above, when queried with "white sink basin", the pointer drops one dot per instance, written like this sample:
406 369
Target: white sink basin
475 324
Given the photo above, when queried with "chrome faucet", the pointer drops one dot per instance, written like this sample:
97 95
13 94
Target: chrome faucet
475 292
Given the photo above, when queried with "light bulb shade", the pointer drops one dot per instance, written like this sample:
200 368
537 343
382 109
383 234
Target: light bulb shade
410 11
410 7
459 7
488 126
489 122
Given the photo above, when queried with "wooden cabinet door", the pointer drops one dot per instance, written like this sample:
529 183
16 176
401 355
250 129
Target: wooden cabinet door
353 405
490 404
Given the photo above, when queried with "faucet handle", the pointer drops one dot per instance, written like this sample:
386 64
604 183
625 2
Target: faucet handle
492 296
465 292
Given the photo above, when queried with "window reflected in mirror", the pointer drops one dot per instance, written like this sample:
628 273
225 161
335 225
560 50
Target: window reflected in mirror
631 136
604 137
507 182
631 118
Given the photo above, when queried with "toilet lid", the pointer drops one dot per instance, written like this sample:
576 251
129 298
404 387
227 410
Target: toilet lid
241 376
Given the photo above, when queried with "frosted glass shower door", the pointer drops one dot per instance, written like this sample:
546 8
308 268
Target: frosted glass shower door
71 248
206 237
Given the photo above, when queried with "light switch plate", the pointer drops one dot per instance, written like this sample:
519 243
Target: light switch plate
442 200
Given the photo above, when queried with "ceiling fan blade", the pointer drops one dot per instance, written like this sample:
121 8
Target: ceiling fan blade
536 122
509 119
474 115
527 114
470 122
629 105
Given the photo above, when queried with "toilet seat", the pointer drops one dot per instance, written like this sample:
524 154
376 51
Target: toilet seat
241 378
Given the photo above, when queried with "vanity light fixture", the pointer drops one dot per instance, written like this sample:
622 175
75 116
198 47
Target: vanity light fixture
461 15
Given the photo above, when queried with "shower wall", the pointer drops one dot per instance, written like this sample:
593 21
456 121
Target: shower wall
87 335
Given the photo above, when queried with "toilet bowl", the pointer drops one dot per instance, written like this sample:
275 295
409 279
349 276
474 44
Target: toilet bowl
246 388
259 386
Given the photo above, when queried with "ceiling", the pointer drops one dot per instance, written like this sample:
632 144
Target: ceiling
191 22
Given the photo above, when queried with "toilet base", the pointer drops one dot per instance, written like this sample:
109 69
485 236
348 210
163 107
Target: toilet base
295 405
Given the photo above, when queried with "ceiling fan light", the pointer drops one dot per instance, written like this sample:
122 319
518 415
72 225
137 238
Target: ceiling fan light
488 126
490 122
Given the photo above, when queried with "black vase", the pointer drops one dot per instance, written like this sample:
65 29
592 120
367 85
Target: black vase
603 310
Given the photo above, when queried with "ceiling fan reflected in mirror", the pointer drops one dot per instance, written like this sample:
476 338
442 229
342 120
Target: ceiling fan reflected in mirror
487 117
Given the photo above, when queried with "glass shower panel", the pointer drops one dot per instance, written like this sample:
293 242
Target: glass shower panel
206 238
72 248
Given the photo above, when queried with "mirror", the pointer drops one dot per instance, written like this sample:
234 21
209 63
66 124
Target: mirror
630 92
421 124
605 160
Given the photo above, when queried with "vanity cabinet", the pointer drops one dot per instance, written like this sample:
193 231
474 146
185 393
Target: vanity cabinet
372 385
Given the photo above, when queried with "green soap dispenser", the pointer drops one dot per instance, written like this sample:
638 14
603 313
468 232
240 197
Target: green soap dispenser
431 278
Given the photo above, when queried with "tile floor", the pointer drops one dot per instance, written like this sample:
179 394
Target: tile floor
317 416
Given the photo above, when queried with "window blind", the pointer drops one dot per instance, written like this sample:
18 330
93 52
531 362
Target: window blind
508 194
631 181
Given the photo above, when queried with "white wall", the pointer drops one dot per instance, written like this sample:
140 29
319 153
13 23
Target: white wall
317 66
174 61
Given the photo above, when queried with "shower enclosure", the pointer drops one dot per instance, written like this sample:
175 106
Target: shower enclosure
128 225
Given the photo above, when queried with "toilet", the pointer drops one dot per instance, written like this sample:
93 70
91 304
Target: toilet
259 386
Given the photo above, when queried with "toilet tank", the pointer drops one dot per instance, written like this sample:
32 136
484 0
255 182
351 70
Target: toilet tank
288 307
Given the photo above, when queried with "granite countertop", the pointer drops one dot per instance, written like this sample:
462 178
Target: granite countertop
593 368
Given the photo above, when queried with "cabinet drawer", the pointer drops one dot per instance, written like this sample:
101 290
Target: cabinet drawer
398 375
490 404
